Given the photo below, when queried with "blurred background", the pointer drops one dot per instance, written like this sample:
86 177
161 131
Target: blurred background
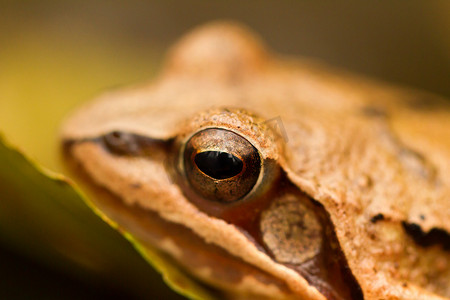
56 54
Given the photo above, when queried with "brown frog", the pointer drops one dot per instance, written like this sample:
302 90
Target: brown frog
273 178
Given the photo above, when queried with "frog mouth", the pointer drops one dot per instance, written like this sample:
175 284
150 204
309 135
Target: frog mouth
325 266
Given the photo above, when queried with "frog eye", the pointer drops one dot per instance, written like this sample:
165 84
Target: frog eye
221 165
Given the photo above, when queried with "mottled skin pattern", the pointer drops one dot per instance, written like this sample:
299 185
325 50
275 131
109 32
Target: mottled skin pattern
376 158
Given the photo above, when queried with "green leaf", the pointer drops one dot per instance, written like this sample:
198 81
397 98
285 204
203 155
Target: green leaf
45 217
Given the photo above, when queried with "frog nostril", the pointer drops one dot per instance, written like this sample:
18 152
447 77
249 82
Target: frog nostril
116 135
218 165
120 143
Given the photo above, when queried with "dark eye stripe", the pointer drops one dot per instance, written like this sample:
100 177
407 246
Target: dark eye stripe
218 165
130 144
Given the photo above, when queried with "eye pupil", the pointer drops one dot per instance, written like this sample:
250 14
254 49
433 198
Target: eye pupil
218 165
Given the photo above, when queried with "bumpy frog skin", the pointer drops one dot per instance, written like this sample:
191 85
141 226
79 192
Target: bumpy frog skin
331 187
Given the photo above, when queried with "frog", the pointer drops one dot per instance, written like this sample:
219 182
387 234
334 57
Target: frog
265 176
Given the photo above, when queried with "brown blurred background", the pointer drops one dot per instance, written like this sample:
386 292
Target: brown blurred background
400 41
56 54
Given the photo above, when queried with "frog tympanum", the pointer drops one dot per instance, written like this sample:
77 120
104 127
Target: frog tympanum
274 178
